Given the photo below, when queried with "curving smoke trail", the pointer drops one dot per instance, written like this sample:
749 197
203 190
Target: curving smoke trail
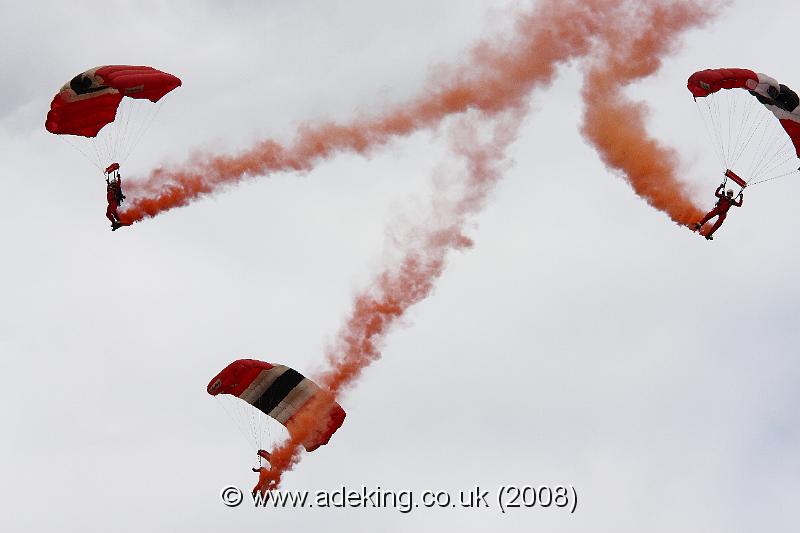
377 308
498 75
615 125
623 42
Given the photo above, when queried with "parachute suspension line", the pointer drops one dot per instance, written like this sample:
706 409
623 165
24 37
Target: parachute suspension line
760 151
252 423
231 414
719 126
776 149
769 160
120 127
128 111
153 112
711 130
108 145
725 120
746 133
705 110
103 143
115 142
767 154
771 170
757 128
112 132
741 122
84 153
97 152
750 127
732 114
733 110
740 114
246 420
773 178
747 138
105 136
753 126
255 422
714 117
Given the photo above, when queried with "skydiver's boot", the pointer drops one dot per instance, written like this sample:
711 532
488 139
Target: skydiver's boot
697 226
709 237
115 226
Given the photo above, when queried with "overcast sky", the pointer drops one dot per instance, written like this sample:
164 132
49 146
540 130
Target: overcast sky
584 340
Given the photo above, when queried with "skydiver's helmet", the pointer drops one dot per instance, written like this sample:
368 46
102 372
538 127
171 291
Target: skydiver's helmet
729 194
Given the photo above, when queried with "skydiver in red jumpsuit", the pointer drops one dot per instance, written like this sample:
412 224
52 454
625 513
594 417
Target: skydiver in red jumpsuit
114 197
263 454
720 210
264 478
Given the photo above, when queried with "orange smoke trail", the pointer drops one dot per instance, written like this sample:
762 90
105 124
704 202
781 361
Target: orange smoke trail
552 33
399 287
498 76
616 126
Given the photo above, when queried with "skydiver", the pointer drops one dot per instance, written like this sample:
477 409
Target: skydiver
115 198
263 454
724 202
265 478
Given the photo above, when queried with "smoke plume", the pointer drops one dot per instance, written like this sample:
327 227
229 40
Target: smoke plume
499 74
620 41
616 126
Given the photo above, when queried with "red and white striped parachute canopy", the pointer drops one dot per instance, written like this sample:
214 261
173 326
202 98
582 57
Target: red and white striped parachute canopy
280 392
778 98
741 122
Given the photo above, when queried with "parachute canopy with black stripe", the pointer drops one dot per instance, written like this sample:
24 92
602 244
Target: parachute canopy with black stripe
752 119
281 393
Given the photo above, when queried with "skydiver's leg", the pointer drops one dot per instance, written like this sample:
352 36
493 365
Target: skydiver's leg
711 214
111 214
717 224
263 484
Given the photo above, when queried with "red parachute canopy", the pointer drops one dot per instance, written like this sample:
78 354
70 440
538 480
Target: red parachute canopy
778 98
278 391
90 100
709 81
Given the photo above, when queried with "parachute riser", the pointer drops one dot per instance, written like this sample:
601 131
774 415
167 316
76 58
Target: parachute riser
729 174
111 173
